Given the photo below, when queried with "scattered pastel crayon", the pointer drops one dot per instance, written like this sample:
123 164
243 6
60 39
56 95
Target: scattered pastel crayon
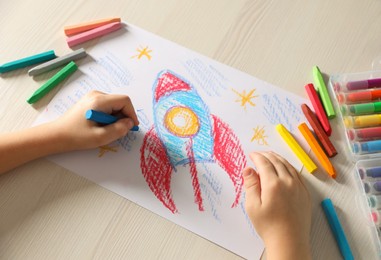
374 201
366 147
357 97
319 131
57 62
362 121
82 27
318 107
323 92
28 61
363 84
52 82
295 147
91 34
318 151
372 187
337 229
364 134
104 118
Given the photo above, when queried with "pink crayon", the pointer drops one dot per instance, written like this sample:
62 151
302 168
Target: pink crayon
91 34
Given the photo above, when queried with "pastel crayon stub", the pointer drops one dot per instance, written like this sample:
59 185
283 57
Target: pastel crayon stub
364 108
104 118
361 96
323 92
376 217
296 148
28 61
52 82
82 27
363 84
374 201
318 107
366 147
372 187
57 62
92 34
370 173
364 134
362 121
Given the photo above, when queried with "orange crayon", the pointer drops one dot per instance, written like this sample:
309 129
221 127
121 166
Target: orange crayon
74 29
316 148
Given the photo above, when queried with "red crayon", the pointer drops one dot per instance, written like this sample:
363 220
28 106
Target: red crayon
364 134
319 131
318 107
361 96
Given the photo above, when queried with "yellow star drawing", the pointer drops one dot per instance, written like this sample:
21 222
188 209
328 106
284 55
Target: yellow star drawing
106 148
143 52
259 136
246 98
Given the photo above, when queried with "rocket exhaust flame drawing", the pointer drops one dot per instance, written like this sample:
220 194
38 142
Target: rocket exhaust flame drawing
185 133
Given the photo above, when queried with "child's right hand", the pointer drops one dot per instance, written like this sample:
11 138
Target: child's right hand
279 206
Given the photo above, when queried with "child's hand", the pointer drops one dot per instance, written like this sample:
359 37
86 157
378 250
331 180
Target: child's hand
79 133
279 206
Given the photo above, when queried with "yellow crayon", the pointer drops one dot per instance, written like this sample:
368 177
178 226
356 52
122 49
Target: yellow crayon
295 147
362 121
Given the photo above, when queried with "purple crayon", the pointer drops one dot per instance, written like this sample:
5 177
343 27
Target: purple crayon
363 84
372 187
374 172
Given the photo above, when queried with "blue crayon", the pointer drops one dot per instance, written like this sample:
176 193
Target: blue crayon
337 229
103 118
366 147
374 172
28 61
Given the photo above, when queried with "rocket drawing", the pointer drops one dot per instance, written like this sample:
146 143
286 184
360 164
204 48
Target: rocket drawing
185 133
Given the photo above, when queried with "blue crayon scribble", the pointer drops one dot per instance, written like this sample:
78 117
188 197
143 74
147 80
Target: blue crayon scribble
214 182
144 122
281 111
212 201
127 141
209 78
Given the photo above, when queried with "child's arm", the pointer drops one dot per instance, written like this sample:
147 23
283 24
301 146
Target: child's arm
70 132
279 206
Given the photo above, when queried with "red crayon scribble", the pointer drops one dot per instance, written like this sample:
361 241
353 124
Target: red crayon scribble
224 146
193 171
157 169
229 154
167 84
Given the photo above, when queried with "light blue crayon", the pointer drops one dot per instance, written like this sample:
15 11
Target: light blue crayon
103 118
28 61
337 229
366 147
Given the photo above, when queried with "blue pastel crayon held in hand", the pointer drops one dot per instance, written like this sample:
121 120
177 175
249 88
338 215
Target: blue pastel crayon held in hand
103 118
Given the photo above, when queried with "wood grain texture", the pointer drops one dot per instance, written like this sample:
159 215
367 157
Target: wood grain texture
47 212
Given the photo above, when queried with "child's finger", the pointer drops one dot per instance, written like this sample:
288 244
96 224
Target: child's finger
252 187
279 165
264 168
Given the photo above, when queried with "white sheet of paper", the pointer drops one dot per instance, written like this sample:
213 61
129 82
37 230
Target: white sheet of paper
129 62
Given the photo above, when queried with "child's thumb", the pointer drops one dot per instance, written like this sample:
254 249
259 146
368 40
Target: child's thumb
252 186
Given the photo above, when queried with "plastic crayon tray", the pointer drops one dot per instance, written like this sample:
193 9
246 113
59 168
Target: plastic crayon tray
357 100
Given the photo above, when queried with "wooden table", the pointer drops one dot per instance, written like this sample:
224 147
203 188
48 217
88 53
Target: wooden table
47 212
